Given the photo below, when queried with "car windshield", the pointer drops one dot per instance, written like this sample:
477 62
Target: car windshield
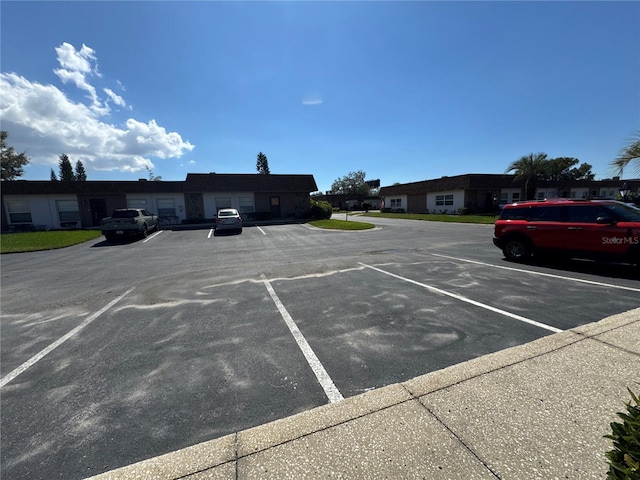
625 212
125 214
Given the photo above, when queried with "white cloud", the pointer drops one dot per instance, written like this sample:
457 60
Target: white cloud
77 60
43 121
117 99
312 100
76 65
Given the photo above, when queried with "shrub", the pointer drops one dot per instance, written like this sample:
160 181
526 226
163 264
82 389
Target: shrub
321 210
624 459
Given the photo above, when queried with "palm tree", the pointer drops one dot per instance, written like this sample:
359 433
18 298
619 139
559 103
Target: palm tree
530 168
628 154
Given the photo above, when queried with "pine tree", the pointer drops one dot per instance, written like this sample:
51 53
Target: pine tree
262 165
53 176
81 175
66 170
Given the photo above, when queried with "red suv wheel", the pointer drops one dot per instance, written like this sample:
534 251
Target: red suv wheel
516 249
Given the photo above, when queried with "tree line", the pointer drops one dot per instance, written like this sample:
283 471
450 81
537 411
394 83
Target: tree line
536 167
66 171
531 167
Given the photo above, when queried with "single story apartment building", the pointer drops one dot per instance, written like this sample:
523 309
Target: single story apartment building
476 193
55 204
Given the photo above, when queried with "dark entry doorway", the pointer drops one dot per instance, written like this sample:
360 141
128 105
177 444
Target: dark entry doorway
275 207
98 210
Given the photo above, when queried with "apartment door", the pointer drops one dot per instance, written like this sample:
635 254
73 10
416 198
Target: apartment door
275 207
98 208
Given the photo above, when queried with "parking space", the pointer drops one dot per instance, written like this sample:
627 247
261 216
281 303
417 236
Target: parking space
26 334
517 292
371 330
158 371
218 334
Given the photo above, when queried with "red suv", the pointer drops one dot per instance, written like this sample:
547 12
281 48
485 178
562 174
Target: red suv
591 229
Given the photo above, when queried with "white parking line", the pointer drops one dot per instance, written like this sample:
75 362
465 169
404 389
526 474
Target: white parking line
36 358
542 274
210 233
321 374
467 300
261 230
152 236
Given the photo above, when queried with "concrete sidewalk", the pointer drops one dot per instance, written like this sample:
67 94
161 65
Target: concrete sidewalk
536 411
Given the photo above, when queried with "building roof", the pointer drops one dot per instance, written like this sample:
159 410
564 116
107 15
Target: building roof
195 182
43 187
469 181
250 182
487 181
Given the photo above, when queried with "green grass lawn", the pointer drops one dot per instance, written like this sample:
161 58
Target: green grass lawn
33 241
485 219
341 224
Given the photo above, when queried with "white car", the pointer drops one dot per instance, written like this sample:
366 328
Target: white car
228 219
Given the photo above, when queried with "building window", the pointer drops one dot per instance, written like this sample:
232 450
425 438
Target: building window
68 211
223 202
540 195
166 207
19 211
396 203
504 197
137 203
607 193
515 196
442 200
246 205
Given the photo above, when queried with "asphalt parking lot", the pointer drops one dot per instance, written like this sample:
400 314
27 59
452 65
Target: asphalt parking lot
113 353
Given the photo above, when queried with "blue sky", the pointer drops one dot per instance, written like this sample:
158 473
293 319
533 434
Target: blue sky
405 91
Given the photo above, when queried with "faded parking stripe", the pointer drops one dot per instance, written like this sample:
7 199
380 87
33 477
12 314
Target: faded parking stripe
36 358
541 274
467 300
318 369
